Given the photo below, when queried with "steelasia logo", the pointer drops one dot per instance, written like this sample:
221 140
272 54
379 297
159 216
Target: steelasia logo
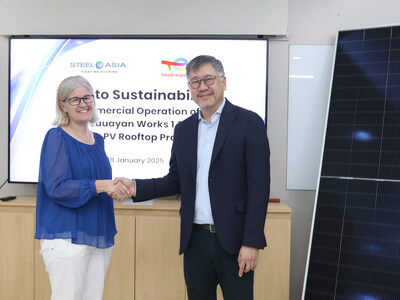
98 66
178 65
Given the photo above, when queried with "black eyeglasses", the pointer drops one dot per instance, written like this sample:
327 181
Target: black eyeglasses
208 81
74 101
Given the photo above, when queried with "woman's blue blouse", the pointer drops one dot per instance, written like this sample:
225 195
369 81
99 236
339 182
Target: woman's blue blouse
68 206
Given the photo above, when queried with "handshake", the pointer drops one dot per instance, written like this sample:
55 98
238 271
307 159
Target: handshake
121 188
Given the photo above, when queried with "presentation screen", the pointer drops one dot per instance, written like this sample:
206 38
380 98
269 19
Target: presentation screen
140 90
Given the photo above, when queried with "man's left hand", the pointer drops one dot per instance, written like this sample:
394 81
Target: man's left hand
247 259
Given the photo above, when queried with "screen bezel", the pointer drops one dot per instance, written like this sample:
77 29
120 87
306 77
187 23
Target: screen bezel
133 37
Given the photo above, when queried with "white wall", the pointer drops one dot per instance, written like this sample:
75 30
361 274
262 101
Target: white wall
143 17
309 22
317 22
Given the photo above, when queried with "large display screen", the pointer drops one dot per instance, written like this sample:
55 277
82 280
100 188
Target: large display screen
141 93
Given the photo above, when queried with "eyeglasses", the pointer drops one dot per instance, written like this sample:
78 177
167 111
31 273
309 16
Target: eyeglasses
74 101
208 81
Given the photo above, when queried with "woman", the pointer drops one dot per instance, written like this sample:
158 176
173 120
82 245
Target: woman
74 215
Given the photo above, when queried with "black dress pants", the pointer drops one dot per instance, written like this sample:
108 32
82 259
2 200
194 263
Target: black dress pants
206 265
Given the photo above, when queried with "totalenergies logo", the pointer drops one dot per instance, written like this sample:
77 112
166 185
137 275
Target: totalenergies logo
178 65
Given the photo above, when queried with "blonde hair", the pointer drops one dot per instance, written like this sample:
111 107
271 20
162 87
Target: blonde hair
65 88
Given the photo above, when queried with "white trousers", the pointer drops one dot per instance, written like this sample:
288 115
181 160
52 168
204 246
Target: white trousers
76 272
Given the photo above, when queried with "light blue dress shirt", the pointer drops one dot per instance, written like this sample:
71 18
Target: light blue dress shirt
205 144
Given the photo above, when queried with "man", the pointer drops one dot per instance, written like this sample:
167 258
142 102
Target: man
220 166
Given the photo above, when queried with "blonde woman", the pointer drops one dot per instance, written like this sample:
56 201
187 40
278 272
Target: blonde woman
74 215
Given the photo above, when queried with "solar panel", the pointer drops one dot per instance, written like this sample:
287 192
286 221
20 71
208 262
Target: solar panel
355 245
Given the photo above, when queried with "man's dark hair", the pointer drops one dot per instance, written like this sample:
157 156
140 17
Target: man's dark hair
200 60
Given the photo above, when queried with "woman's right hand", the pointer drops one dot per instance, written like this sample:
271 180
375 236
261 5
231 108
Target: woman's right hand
109 187
126 182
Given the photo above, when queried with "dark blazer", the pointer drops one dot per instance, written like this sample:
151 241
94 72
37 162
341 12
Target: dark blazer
239 178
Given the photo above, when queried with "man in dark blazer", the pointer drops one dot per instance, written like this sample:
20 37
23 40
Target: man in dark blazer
220 166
